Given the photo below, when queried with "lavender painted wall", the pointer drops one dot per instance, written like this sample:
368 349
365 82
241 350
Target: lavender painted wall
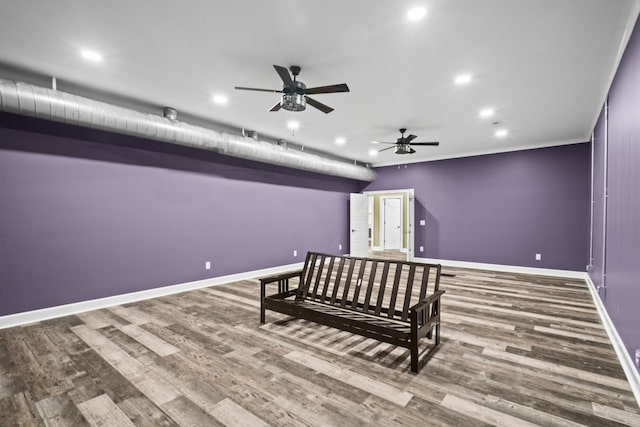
622 264
502 208
88 214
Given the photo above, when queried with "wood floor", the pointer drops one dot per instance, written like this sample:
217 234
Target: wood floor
516 350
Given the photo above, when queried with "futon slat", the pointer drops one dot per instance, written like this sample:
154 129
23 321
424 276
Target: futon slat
425 283
372 277
407 295
383 284
334 294
380 325
306 272
327 280
356 293
318 276
347 284
310 273
394 293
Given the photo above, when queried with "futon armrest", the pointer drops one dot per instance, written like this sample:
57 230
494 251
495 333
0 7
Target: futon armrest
283 288
422 305
283 295
281 276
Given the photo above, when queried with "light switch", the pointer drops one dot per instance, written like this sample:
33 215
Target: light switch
423 222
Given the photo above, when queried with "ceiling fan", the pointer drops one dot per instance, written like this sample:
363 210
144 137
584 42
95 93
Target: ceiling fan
294 92
404 143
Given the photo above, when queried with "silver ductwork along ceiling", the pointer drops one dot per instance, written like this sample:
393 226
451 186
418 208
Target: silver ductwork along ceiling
49 104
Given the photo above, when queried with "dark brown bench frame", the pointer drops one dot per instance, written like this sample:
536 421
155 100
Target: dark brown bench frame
402 327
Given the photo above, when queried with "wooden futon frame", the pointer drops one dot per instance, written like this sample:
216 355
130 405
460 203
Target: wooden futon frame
397 302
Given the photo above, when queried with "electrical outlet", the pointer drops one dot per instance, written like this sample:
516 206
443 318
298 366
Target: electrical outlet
295 252
423 222
339 247
538 257
207 265
421 248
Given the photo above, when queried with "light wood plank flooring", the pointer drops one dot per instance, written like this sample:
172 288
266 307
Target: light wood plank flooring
516 350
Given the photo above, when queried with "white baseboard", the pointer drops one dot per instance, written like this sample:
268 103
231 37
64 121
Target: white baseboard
23 318
506 268
633 376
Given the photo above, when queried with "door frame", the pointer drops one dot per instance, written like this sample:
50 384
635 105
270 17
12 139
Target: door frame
382 219
410 192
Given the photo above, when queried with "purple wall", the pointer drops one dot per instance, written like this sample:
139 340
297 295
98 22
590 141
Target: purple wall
88 214
501 208
622 263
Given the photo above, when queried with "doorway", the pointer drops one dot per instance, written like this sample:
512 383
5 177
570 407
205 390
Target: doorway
398 240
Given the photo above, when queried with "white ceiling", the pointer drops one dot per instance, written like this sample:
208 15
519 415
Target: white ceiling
543 65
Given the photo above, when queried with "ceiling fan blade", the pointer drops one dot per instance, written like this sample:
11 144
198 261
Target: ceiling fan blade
319 105
257 89
392 143
385 149
284 75
342 87
425 143
276 107
410 138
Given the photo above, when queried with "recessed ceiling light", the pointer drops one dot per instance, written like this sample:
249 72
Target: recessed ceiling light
373 152
417 13
487 112
463 79
293 125
91 55
340 141
501 133
220 99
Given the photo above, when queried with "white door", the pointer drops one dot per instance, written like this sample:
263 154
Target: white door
359 230
392 223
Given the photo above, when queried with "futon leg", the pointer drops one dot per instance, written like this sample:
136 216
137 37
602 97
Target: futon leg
262 292
415 342
438 334
414 358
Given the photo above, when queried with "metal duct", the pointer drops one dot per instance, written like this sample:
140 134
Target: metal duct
44 103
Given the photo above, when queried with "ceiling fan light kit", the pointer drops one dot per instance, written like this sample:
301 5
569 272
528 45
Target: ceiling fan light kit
293 102
404 149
